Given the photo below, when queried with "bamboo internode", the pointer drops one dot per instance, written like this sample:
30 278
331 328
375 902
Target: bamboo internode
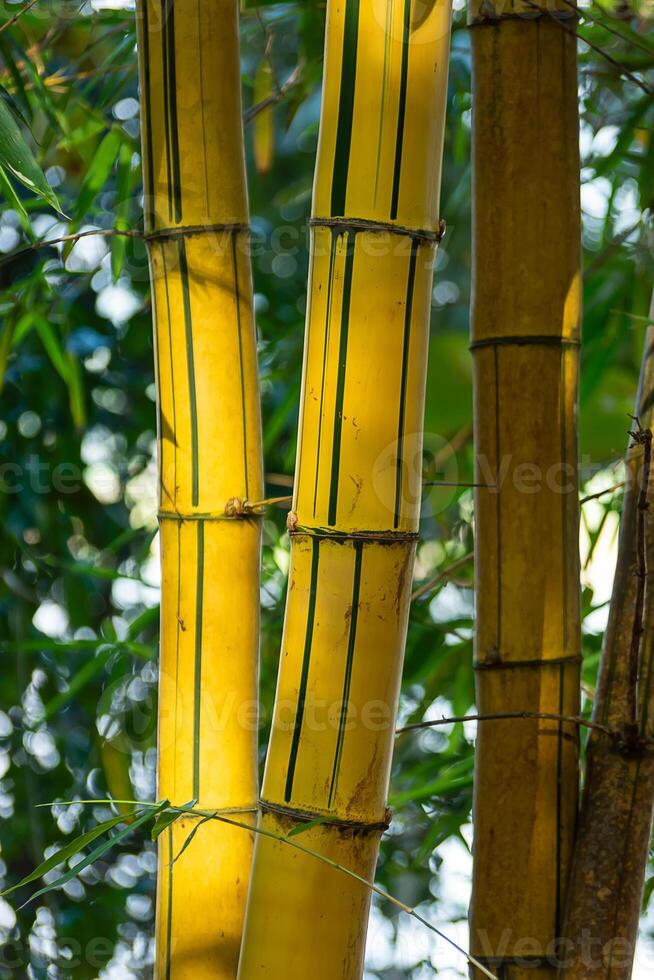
209 454
357 491
525 342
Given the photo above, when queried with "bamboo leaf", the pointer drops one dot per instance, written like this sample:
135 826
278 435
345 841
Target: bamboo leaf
164 820
309 825
13 199
99 169
264 131
6 343
97 852
210 816
77 683
647 892
125 179
69 851
116 759
96 177
76 391
52 344
17 158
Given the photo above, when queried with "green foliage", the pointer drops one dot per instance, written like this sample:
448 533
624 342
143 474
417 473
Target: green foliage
17 159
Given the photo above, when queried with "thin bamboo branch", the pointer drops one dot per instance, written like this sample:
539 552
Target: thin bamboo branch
508 716
441 577
19 13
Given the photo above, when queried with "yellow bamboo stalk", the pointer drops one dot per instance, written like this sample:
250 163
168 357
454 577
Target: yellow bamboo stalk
525 343
610 858
357 488
209 454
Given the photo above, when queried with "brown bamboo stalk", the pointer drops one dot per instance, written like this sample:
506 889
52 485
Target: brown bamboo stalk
610 858
525 342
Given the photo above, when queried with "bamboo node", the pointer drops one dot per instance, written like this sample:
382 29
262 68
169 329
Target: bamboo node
343 537
629 742
525 340
235 507
381 227
300 816
498 664
181 231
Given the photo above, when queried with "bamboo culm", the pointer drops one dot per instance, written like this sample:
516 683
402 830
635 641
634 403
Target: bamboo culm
355 512
610 858
209 456
525 342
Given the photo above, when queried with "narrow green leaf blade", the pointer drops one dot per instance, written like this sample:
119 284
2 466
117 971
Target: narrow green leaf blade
101 849
301 828
124 182
98 172
18 159
191 836
166 819
66 852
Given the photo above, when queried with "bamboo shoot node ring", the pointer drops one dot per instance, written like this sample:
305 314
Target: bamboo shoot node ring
382 537
232 228
484 13
525 340
309 816
246 511
381 227
526 664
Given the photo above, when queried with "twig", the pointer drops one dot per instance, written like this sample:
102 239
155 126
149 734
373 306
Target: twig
282 90
642 437
446 483
5 260
635 42
601 493
236 507
280 479
595 47
432 583
611 247
19 13
508 716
